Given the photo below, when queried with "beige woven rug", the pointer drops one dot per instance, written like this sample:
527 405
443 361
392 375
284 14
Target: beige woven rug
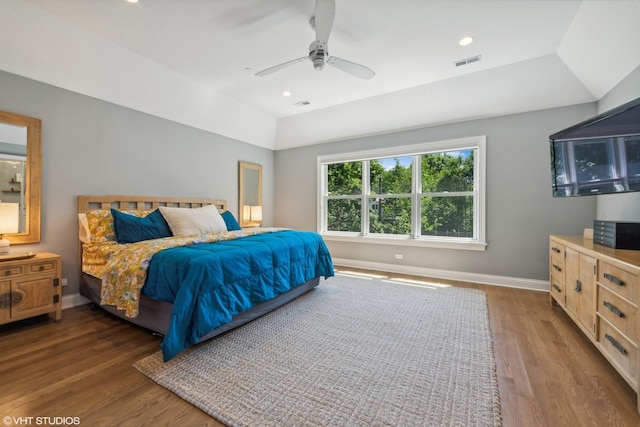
352 352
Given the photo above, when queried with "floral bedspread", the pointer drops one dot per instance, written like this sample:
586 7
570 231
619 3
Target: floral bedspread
125 271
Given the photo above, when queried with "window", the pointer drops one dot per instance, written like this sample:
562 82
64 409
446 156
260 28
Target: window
425 195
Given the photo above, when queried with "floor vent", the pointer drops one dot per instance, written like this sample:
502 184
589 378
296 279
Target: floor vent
468 61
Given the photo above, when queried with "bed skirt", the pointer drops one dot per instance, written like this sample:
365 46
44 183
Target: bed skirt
156 315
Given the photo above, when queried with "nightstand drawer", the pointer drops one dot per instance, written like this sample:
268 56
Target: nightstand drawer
618 280
42 267
619 312
11 271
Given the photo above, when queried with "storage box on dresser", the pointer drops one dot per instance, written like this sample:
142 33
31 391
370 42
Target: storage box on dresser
597 286
30 287
617 234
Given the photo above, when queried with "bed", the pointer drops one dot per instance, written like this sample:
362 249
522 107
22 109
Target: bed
190 287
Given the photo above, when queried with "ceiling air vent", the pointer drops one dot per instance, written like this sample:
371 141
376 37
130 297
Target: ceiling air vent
302 103
468 61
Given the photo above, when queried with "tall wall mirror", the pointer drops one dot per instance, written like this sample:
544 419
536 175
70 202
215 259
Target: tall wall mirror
250 197
20 177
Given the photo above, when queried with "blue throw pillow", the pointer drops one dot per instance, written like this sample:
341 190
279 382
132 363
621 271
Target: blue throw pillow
131 229
230 220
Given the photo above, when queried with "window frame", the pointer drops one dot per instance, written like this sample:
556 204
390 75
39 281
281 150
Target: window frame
475 243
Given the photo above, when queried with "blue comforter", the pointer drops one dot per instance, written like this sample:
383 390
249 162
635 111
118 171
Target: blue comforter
210 283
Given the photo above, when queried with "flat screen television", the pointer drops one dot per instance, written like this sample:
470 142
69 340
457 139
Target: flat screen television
598 156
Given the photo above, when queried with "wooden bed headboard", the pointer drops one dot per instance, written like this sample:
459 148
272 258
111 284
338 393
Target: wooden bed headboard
141 203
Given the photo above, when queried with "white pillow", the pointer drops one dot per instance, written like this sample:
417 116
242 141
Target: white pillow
190 221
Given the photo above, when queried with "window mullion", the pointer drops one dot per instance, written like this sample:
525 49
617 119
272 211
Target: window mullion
364 205
416 189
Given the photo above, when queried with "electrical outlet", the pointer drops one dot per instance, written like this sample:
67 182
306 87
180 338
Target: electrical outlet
64 281
399 256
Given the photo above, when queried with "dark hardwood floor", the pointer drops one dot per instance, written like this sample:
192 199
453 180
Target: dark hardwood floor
549 374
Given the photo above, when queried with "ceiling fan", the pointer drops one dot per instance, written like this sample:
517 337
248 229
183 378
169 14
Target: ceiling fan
322 22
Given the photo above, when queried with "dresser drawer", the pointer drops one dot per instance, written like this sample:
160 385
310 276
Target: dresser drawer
618 280
619 349
557 270
556 250
556 261
619 313
12 271
41 267
557 289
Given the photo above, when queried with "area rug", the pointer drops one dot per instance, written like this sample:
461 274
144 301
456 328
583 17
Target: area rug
354 351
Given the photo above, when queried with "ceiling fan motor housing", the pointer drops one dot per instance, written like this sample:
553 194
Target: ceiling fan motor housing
321 23
317 55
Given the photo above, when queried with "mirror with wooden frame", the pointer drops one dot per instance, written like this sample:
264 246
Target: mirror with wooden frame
21 175
250 197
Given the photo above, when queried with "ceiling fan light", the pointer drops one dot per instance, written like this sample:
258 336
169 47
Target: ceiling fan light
318 63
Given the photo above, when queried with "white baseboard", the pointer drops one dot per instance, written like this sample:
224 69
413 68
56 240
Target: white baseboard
485 279
73 300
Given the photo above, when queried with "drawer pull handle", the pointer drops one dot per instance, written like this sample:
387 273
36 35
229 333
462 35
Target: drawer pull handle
16 298
613 279
557 268
615 310
616 344
557 288
556 250
578 287
10 298
5 300
7 273
41 268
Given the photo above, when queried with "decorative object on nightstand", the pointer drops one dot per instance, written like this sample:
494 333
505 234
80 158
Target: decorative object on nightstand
253 213
30 285
9 223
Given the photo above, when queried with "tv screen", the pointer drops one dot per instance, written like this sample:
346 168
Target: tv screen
595 166
598 156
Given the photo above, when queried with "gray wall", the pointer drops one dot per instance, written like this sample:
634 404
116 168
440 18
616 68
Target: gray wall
95 147
521 213
620 206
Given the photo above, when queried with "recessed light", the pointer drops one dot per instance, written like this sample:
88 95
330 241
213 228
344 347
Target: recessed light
286 93
465 41
132 1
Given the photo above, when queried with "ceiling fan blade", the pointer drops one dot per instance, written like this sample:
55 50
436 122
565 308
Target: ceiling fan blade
356 70
324 15
275 68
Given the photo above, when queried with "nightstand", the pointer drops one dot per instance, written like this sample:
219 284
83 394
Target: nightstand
30 287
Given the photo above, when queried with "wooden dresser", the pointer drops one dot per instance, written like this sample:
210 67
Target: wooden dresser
30 287
597 287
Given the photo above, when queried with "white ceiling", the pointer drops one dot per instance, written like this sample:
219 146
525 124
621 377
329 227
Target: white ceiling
193 61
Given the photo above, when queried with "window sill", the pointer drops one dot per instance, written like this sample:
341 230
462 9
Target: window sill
467 245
